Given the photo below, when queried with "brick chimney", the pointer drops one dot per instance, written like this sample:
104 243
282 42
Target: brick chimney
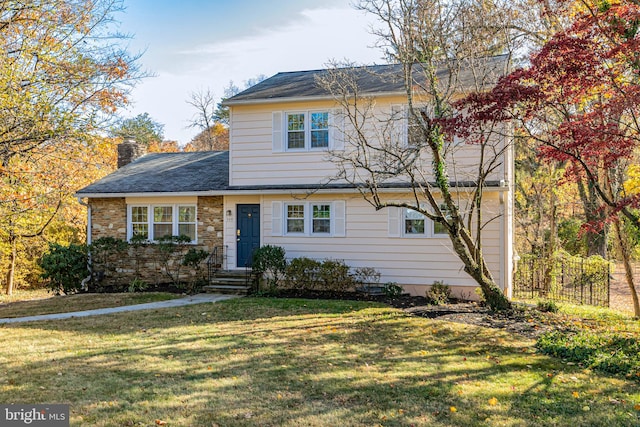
129 151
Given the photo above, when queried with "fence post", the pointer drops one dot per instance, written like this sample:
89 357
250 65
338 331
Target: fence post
581 281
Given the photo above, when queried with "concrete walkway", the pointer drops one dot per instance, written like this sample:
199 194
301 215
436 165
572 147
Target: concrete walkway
178 302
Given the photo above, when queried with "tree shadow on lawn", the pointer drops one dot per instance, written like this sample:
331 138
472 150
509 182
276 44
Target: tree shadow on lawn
349 365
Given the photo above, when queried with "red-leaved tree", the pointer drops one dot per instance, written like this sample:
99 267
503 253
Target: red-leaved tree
579 98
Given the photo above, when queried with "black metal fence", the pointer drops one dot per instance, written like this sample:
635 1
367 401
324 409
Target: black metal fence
563 278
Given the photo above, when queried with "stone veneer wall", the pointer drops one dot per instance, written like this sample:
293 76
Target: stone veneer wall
109 219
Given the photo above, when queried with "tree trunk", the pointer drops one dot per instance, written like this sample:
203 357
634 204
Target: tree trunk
552 246
494 297
12 265
623 249
596 241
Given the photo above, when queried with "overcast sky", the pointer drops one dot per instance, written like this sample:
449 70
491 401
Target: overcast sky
193 45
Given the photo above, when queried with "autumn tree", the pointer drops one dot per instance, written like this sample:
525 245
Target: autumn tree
213 138
63 74
213 134
579 99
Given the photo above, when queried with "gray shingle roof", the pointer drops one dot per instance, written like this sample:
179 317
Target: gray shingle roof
374 79
167 173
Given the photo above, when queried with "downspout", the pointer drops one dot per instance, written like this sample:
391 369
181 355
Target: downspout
84 285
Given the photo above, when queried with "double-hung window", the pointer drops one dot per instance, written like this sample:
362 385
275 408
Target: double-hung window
154 222
140 221
415 224
438 228
308 218
295 219
321 219
307 130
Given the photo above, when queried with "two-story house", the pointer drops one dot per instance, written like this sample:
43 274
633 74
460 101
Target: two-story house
277 185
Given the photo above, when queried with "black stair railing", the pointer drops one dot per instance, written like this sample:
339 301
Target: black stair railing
214 262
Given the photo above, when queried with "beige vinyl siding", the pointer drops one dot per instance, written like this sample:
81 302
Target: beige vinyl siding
404 260
253 160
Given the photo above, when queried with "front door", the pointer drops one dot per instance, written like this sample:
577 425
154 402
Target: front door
247 233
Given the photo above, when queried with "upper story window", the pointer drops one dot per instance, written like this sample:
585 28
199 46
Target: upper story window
320 130
154 222
307 130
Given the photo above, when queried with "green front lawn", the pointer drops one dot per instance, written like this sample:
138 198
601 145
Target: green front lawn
281 362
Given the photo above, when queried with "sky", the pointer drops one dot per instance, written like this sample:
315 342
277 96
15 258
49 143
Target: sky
199 45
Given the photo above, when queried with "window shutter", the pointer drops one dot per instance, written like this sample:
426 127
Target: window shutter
277 131
339 218
276 218
336 129
394 221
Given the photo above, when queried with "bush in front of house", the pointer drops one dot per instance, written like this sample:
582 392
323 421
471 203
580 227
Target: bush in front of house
269 261
64 267
302 273
328 275
439 293
334 276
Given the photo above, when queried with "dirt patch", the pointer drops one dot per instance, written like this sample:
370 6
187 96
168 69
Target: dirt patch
619 292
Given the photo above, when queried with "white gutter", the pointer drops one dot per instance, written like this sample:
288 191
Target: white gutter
84 285
241 192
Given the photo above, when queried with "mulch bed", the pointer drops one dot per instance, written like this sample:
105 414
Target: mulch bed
520 320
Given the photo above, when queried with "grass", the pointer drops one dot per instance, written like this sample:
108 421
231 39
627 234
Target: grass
602 339
32 303
281 362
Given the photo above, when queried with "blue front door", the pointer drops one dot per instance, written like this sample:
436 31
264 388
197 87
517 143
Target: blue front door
247 233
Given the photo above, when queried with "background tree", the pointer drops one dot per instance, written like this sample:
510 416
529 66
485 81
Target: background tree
63 75
142 128
214 134
222 112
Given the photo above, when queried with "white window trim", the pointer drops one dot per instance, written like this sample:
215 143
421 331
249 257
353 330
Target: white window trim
174 221
307 131
308 219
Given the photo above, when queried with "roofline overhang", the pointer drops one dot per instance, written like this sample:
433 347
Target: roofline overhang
231 103
499 186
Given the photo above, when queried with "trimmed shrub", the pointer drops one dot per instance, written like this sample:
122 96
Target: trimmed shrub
334 276
64 267
439 293
327 275
302 273
392 290
270 261
366 276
